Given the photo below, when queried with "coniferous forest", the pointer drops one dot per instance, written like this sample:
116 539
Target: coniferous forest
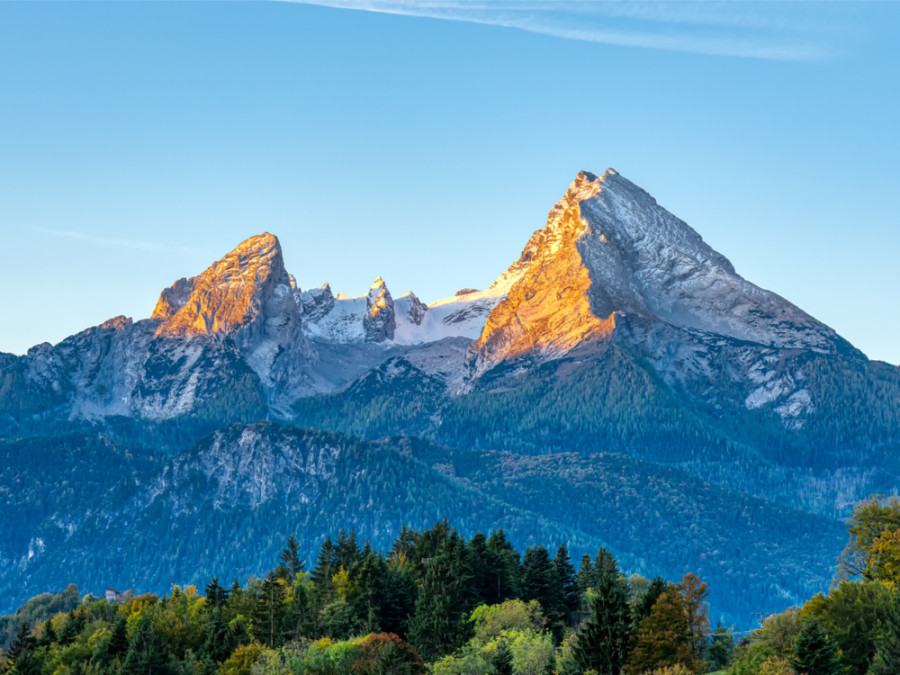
438 603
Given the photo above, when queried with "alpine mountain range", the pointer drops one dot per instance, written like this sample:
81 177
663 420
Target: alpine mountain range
618 385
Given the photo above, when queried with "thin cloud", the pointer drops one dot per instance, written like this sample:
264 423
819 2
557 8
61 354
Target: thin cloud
111 242
796 30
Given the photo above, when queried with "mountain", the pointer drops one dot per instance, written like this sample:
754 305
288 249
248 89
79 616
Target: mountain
618 344
228 503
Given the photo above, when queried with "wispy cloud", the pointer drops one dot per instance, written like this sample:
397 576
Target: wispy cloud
111 242
791 30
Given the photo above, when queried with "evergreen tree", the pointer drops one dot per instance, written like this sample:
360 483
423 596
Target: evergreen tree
720 652
118 640
23 644
565 574
269 610
602 642
48 634
325 568
585 577
290 558
216 595
438 625
644 604
346 551
217 645
814 652
504 561
72 628
503 661
538 578
887 656
604 563
147 653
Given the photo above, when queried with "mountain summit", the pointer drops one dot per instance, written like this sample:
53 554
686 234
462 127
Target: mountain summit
610 250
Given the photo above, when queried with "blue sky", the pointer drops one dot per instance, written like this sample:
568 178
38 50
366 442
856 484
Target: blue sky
425 141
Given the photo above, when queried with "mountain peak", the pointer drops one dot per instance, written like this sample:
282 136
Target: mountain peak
609 248
228 295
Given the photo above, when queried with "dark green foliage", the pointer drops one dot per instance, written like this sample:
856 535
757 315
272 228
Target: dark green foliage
602 642
216 594
218 643
644 603
887 654
38 610
147 653
815 653
503 663
118 641
290 557
565 575
720 652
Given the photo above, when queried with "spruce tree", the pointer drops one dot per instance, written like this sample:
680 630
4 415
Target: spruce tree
602 642
504 561
887 656
720 652
147 653
815 653
216 594
644 604
24 643
269 611
48 634
290 558
585 577
325 567
118 641
503 661
217 645
565 574
604 563
537 577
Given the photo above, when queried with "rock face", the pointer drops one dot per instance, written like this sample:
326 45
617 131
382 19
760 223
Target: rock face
610 267
380 321
612 264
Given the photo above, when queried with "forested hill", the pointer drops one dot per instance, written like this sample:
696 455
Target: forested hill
227 504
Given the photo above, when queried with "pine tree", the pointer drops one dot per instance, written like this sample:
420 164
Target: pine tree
814 652
565 574
325 566
585 577
147 653
602 642
644 604
269 610
217 646
72 628
290 557
24 643
504 561
216 595
503 661
720 652
48 634
118 641
604 563
887 656
537 577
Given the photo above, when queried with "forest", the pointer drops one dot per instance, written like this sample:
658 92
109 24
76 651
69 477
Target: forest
436 602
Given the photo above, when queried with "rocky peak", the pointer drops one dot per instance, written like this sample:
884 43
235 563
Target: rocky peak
229 295
417 309
379 322
608 248
317 302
